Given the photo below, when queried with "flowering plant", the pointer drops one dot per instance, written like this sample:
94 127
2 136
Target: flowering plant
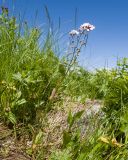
77 39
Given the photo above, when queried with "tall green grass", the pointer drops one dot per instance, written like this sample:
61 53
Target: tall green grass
28 74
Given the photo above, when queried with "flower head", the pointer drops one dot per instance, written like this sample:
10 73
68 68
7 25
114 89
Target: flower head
104 139
73 32
87 26
115 143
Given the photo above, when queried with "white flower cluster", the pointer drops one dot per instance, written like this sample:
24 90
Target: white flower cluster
87 26
83 27
73 32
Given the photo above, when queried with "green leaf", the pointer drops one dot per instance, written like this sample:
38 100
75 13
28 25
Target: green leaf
20 102
66 138
82 156
18 94
70 118
12 117
17 77
29 151
78 115
124 118
38 137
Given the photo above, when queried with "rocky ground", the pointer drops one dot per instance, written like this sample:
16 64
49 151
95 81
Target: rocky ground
11 149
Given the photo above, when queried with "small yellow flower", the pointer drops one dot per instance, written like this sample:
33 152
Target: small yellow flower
34 146
104 139
3 82
13 88
115 143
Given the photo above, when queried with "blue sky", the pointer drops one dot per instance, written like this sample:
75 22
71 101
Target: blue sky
107 42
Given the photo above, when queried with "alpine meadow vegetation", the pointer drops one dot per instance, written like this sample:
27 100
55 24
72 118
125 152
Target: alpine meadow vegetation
39 88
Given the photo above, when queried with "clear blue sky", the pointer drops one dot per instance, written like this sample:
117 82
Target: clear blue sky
107 42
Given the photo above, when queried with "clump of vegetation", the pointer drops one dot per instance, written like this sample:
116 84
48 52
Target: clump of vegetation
109 139
34 81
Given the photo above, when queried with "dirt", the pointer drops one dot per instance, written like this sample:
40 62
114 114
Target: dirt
11 149
57 121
